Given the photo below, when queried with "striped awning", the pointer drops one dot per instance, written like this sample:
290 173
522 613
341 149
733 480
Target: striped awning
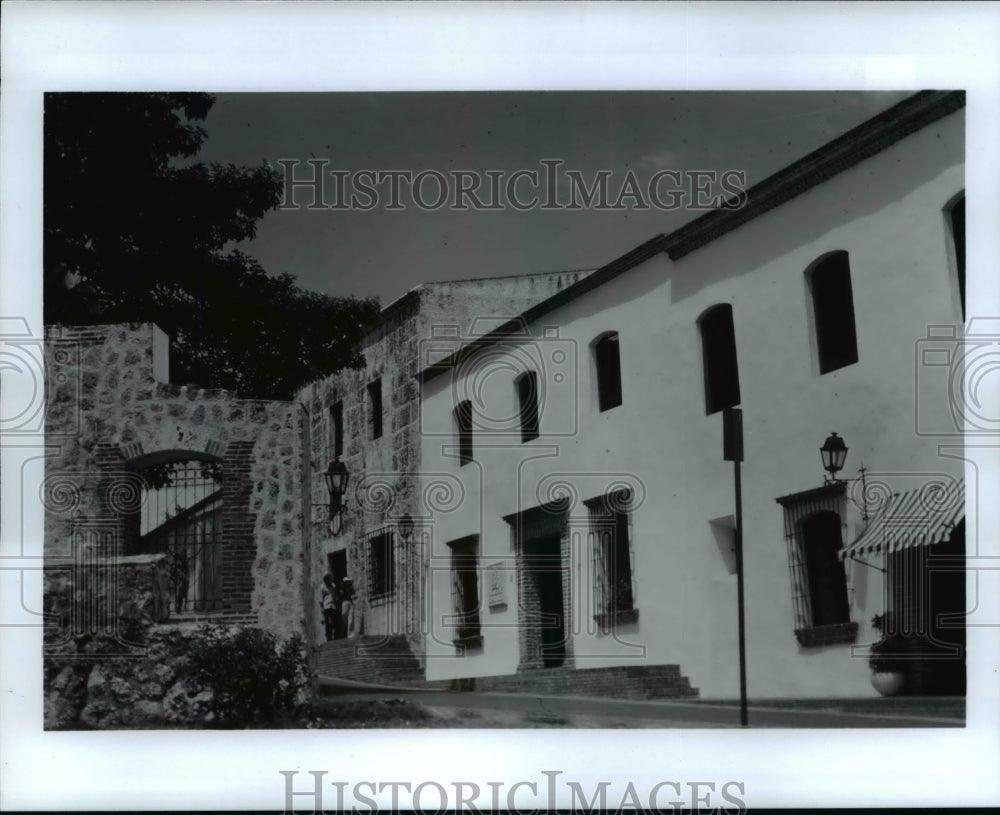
921 517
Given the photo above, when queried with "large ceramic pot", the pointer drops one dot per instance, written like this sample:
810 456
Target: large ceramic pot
888 683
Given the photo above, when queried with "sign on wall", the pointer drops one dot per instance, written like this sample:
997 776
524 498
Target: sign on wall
496 585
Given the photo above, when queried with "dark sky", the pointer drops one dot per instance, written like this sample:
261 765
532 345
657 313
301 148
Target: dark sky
385 253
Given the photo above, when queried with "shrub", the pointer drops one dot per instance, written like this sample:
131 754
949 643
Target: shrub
253 678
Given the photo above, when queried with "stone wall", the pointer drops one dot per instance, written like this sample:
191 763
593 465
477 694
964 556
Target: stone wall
111 659
382 471
106 663
110 414
92 688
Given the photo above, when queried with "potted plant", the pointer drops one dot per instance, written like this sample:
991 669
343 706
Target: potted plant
887 659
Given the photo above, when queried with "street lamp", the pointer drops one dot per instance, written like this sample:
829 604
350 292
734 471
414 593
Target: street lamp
336 477
833 451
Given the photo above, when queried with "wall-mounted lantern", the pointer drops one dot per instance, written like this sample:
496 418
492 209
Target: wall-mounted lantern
405 526
336 477
834 452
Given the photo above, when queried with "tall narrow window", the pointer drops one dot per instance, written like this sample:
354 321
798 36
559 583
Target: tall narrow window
381 565
718 350
956 220
814 535
821 541
463 420
375 408
337 429
527 398
613 596
609 371
833 312
465 591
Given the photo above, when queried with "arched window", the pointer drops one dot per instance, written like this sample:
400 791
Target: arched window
718 352
955 213
829 283
463 420
607 360
821 541
527 399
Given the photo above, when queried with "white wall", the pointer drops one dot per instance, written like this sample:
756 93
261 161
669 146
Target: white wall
887 213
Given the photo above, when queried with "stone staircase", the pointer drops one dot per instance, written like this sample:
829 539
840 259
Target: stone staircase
388 660
380 660
621 682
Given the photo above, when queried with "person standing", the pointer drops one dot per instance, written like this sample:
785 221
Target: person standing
328 602
347 596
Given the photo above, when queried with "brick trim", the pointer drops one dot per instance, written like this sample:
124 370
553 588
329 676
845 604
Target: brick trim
616 618
238 546
827 634
465 644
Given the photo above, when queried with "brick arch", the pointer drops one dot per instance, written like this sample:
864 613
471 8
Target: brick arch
146 460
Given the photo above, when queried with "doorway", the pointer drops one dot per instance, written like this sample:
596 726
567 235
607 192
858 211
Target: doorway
337 565
543 601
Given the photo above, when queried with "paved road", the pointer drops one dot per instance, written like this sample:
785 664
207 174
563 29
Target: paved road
581 712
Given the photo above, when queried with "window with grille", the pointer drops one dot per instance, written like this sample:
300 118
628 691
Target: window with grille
181 516
718 353
814 528
463 420
381 565
614 597
607 359
527 398
465 591
833 312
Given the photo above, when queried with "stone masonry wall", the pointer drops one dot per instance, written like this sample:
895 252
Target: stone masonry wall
382 471
108 415
107 663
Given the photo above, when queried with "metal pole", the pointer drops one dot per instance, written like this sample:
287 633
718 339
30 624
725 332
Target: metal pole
732 450
739 592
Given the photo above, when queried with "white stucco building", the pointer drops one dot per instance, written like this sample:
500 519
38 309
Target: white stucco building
592 520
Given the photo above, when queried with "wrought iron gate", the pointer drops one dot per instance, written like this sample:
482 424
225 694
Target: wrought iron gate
182 516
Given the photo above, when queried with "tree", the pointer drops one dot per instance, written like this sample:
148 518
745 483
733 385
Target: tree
137 231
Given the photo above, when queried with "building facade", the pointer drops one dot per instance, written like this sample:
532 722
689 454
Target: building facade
599 513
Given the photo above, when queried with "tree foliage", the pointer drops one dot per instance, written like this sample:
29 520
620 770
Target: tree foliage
137 231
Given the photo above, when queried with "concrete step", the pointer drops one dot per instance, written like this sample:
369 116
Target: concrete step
622 682
389 661
379 660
